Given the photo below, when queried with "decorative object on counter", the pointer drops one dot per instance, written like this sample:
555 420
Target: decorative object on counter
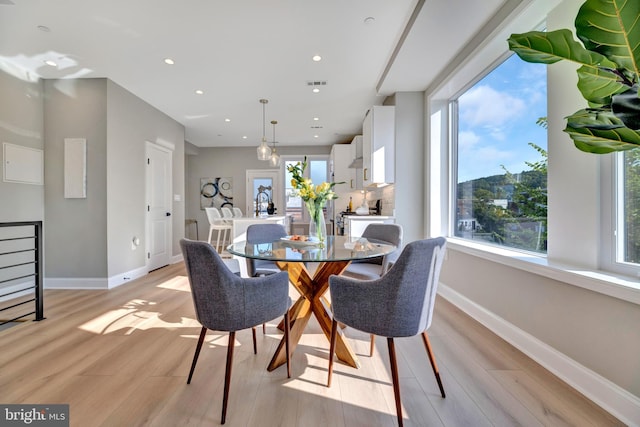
274 160
216 192
350 206
264 152
363 209
314 196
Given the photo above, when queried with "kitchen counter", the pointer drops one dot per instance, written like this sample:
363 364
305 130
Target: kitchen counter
354 225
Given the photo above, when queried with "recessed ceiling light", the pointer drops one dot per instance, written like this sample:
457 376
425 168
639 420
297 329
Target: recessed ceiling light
227 120
169 61
316 136
316 119
244 136
44 28
317 58
51 63
315 90
199 92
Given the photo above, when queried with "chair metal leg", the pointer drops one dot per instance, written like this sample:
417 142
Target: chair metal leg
287 330
255 346
394 377
332 349
436 372
227 375
203 332
372 345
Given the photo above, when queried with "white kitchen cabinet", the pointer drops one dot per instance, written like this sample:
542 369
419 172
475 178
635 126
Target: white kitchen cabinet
378 146
340 161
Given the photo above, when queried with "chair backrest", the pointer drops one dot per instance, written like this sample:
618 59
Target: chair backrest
262 233
391 233
214 288
413 281
226 212
265 233
213 215
237 212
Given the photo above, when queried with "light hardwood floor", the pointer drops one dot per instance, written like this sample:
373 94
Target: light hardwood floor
121 358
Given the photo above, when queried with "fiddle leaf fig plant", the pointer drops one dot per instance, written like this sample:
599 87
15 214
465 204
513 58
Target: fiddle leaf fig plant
608 77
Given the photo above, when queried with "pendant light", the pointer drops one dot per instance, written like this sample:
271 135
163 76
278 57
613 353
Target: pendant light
264 152
274 161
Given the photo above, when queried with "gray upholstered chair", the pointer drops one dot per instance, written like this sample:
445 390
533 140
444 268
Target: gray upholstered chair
374 268
224 301
263 233
399 304
369 269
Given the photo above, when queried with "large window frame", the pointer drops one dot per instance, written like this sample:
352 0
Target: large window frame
585 254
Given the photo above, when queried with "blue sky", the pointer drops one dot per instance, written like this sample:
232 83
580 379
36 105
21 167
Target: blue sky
498 119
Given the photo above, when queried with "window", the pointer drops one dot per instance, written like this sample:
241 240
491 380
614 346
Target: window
317 170
501 171
628 219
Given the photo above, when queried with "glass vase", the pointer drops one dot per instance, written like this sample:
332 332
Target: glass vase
317 226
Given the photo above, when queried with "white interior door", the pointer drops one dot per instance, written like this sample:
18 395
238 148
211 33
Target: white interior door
271 181
158 178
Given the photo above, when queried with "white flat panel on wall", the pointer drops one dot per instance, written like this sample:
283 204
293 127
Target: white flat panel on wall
75 168
22 165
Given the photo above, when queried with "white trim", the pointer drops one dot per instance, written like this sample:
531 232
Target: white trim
613 285
611 397
165 144
93 283
177 258
122 278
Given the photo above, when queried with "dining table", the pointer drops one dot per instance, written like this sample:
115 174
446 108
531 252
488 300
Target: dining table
309 264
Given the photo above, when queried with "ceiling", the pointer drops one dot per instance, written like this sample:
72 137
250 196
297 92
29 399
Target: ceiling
238 52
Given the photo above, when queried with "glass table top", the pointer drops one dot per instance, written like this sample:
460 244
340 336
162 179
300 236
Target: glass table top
335 248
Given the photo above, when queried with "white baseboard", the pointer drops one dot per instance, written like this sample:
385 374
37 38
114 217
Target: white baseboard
122 278
611 397
75 283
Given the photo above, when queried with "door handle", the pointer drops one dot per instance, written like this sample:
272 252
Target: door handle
168 213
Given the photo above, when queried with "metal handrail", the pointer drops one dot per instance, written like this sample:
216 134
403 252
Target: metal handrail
37 286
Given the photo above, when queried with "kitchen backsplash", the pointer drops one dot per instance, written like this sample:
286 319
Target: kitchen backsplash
386 195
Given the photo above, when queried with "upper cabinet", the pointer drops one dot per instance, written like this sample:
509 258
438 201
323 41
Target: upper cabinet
340 160
378 146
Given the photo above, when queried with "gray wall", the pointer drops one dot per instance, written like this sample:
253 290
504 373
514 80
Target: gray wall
75 229
21 122
131 122
91 237
409 162
227 162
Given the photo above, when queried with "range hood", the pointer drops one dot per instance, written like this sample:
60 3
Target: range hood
356 164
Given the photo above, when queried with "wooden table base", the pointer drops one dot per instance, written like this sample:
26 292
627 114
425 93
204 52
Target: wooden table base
312 301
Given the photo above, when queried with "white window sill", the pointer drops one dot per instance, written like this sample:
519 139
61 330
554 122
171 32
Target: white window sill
617 286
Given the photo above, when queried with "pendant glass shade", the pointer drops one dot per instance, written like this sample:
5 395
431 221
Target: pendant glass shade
263 150
274 160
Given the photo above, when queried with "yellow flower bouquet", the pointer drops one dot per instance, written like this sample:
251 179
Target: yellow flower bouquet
314 196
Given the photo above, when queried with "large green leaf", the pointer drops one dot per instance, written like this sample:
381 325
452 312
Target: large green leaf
599 85
612 28
600 132
551 47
